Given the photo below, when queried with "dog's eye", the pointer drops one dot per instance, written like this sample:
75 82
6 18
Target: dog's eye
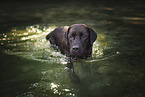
73 35
81 34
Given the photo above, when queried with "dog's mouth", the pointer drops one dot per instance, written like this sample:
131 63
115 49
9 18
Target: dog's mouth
78 53
76 57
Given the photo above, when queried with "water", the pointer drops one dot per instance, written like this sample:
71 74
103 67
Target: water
29 67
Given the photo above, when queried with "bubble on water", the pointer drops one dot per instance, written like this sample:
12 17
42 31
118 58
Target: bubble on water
43 72
35 84
5 35
53 85
66 89
24 38
4 39
117 52
15 45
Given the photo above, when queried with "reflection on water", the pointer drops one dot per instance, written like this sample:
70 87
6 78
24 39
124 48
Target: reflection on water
29 67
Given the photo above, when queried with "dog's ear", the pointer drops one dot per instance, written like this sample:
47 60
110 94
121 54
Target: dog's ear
66 35
93 35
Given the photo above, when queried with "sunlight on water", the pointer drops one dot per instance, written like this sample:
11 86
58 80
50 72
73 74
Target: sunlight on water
31 43
56 90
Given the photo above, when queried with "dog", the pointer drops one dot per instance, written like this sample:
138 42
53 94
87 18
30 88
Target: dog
74 41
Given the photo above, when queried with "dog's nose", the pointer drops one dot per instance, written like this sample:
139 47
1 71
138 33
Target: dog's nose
75 48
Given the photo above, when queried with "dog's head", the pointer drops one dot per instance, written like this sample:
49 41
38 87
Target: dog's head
80 39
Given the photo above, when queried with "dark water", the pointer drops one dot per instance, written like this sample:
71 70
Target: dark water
30 68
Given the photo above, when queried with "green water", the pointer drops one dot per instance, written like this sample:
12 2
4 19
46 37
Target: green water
29 67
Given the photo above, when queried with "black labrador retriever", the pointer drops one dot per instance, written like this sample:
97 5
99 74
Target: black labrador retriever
75 41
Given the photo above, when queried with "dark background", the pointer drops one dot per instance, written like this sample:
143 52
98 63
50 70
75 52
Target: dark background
8 8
